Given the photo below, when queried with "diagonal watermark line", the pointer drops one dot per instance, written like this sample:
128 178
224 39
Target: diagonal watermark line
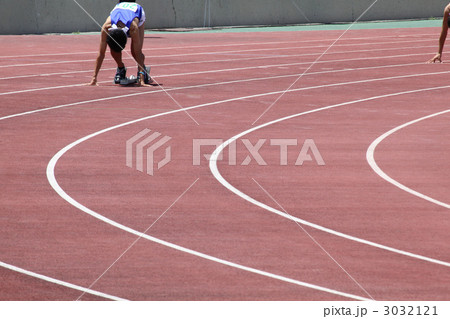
207 16
300 10
139 238
142 67
314 63
314 240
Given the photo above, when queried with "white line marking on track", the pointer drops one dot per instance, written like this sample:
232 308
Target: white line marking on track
319 58
210 53
213 166
225 45
222 83
138 239
215 171
52 180
17 269
43 63
214 103
241 69
370 156
243 59
59 282
265 66
313 239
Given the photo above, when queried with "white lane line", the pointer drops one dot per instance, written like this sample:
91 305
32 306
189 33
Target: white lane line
313 239
241 69
240 60
14 268
266 66
215 171
47 88
46 54
59 282
317 59
139 238
226 45
213 53
53 182
43 63
370 156
25 113
157 49
222 83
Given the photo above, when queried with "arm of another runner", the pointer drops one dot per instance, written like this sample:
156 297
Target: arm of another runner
443 37
102 51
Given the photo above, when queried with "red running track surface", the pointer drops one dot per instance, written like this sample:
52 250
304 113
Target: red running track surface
378 241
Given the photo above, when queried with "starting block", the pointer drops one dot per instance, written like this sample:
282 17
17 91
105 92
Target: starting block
128 81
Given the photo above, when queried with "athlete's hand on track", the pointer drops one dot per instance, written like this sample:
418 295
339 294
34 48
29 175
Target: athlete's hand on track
93 82
142 83
437 59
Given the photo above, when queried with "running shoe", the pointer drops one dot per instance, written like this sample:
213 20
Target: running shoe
121 74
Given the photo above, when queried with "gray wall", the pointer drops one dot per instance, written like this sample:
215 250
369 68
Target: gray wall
61 16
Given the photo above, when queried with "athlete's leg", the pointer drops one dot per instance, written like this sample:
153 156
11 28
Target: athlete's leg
138 50
121 72
117 56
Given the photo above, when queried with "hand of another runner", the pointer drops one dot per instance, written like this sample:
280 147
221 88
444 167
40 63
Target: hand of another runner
437 59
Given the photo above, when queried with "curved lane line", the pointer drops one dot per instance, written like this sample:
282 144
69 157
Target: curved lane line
53 182
59 282
370 156
193 107
175 111
215 171
11 267
70 200
222 83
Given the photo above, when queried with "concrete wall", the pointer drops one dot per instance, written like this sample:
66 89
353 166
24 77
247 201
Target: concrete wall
62 16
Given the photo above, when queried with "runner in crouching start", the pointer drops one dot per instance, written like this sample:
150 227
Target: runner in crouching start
126 20
444 31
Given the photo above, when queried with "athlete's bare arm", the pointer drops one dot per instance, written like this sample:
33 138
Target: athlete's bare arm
443 37
102 50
